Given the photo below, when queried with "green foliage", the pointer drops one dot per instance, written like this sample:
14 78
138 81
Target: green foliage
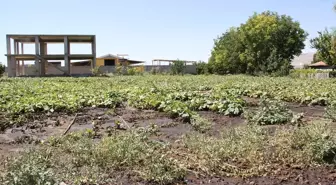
203 68
331 112
332 74
325 44
265 44
200 124
131 71
255 149
177 67
29 169
22 97
79 160
119 69
2 70
304 73
225 57
95 71
270 112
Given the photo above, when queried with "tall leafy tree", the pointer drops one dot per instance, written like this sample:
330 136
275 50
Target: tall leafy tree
266 44
325 44
225 57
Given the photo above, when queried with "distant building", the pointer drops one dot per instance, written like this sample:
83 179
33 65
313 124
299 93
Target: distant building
113 60
319 65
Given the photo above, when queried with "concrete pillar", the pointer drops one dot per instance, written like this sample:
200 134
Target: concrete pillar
23 65
11 66
8 45
10 59
93 48
66 55
43 51
17 62
37 55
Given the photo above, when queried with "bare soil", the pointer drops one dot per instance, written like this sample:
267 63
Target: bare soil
43 126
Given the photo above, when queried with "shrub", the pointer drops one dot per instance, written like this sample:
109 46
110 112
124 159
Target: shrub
2 70
131 71
332 74
200 124
95 71
203 68
119 69
178 67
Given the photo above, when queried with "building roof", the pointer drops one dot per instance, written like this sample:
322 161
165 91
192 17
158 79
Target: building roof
318 64
51 38
108 56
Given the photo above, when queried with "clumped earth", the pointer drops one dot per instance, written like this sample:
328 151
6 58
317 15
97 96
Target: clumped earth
178 137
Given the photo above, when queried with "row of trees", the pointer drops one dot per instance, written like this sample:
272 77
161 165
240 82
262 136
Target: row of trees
265 44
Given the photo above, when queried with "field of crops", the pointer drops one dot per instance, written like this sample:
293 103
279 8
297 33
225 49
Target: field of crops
168 130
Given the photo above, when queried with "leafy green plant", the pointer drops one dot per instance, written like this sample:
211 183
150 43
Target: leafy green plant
200 124
270 112
2 70
331 112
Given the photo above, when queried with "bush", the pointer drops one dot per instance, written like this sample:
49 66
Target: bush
119 69
2 70
203 68
332 74
131 71
178 67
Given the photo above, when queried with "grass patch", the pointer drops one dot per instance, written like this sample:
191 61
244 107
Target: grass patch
131 156
77 159
251 150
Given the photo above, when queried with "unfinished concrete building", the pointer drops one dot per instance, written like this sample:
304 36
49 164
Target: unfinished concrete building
16 59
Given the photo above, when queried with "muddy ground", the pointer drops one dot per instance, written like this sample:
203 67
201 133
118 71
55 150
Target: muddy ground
103 120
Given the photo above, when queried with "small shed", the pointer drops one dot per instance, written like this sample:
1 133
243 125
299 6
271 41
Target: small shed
113 60
320 65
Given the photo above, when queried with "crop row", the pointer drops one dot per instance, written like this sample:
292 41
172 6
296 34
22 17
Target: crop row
173 94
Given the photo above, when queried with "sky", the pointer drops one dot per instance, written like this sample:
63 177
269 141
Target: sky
149 29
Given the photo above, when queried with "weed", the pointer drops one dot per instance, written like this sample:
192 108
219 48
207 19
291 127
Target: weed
200 124
78 159
251 150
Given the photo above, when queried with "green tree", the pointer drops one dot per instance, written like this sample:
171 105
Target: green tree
2 70
271 41
265 44
225 56
325 44
178 67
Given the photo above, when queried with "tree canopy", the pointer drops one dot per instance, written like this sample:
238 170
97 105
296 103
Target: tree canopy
325 44
265 44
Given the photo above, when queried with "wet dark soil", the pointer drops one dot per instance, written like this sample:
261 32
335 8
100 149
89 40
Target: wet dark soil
103 120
